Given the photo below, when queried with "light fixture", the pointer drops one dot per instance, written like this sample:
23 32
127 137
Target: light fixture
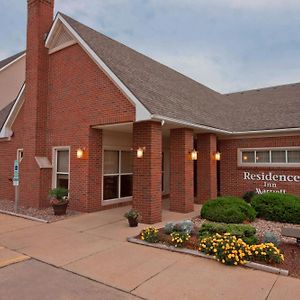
218 156
140 152
81 153
194 154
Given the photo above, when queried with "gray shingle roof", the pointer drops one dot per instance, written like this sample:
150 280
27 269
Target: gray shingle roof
162 90
268 108
166 92
8 60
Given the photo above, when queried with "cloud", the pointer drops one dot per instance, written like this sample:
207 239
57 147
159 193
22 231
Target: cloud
225 44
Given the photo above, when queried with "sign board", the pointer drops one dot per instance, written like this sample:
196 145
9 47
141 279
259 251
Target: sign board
270 181
16 173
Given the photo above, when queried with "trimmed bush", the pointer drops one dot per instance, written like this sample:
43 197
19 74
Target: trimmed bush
278 207
245 232
227 210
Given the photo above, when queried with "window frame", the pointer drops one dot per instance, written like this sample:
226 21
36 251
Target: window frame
54 164
269 164
119 174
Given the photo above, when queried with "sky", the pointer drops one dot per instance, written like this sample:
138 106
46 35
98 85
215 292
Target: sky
228 45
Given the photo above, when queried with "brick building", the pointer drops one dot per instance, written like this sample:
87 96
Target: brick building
82 111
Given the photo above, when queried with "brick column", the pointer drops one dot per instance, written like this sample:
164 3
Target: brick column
181 170
147 171
94 196
206 167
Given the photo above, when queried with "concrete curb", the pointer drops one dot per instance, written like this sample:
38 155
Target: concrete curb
251 265
22 216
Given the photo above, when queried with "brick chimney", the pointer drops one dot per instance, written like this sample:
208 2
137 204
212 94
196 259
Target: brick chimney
34 181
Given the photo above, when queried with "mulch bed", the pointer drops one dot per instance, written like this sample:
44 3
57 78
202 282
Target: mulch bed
45 214
291 262
290 250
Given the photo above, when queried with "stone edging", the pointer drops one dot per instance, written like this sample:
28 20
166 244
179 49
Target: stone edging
252 265
22 216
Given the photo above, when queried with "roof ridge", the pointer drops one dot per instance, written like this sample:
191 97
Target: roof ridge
272 87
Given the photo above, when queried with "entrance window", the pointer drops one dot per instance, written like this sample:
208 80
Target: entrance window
62 168
117 178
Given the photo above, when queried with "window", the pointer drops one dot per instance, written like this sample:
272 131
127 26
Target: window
20 155
269 157
62 158
117 178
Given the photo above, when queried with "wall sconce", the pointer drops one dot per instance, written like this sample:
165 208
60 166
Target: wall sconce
140 152
218 156
81 153
194 155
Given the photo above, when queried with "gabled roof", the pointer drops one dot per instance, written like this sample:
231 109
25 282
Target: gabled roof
275 107
162 90
7 61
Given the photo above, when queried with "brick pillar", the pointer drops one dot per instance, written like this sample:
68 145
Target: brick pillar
94 179
36 182
181 170
206 167
147 171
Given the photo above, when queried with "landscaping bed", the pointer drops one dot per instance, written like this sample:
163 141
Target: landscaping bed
235 232
45 214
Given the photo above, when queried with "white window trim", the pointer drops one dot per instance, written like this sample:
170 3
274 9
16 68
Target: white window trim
18 154
54 164
115 200
264 164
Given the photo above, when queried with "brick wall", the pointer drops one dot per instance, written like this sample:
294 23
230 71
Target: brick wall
232 182
147 171
181 170
80 96
206 167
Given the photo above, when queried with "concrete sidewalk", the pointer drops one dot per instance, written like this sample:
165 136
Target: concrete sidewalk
94 246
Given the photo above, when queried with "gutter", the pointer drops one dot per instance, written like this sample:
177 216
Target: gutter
218 130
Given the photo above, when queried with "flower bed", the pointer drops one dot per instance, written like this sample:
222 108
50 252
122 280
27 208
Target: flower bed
226 248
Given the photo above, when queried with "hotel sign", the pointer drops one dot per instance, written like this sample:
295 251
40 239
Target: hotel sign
270 181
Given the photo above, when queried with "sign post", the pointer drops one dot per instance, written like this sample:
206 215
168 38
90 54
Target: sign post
16 180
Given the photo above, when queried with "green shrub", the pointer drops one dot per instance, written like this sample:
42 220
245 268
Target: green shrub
245 232
278 207
228 210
